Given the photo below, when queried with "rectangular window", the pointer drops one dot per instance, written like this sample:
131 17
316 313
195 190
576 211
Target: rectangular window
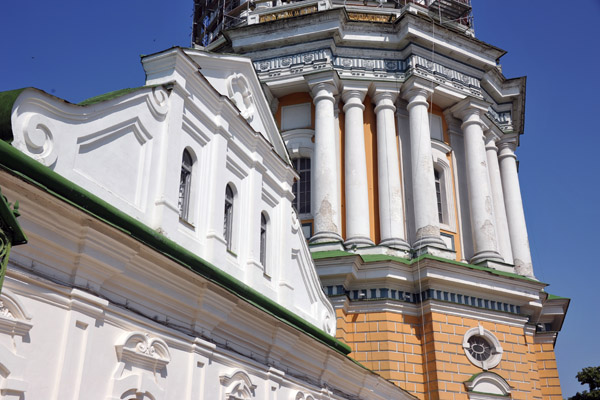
301 188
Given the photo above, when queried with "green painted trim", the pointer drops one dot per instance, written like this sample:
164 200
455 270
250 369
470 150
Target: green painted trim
110 95
317 255
7 100
45 179
368 258
554 297
382 257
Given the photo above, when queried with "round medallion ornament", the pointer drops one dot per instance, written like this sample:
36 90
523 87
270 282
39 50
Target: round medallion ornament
482 348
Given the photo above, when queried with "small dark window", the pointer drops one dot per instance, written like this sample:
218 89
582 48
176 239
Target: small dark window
227 225
263 239
479 348
438 195
185 185
301 188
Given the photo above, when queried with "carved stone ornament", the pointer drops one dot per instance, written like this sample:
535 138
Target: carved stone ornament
239 92
14 319
39 140
144 351
302 396
5 312
238 386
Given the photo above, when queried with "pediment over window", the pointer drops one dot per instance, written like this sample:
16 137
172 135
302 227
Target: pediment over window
140 349
487 386
14 319
238 386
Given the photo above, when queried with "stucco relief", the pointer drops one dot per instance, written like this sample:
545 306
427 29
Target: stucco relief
141 370
238 386
238 90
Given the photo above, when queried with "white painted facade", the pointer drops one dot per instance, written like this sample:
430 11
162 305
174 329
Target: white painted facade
89 311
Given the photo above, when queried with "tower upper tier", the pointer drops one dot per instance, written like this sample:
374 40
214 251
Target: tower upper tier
211 17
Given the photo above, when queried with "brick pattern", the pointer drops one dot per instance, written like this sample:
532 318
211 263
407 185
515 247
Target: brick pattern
399 346
548 371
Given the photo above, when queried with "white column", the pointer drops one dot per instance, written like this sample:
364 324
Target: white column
391 207
481 204
355 168
424 199
514 208
498 195
325 207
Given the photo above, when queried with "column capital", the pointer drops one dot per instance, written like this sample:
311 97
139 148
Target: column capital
491 138
416 92
507 147
470 111
384 96
354 93
323 85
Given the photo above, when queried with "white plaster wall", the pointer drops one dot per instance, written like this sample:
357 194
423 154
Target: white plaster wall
133 159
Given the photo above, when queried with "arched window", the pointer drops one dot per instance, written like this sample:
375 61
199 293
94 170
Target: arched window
301 188
185 185
228 222
263 239
438 195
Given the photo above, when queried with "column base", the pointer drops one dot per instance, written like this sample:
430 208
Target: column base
487 255
325 237
395 243
425 241
358 241
436 251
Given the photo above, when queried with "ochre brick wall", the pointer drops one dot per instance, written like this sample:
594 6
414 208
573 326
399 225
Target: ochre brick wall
399 346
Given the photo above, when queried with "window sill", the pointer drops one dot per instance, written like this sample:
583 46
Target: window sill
232 253
186 223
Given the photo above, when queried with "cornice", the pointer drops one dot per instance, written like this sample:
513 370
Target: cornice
393 70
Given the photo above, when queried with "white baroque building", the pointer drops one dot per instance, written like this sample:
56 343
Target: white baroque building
164 258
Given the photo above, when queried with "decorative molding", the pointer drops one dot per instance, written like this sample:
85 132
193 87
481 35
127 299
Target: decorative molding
416 298
38 139
238 386
238 90
496 349
144 351
302 396
398 70
14 319
158 102
487 385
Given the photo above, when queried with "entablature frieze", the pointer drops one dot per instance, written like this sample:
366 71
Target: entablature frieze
381 69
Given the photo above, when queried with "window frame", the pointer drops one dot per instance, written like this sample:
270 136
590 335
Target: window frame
263 241
185 185
305 195
228 216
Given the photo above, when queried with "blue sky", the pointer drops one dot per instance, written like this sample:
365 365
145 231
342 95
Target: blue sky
78 49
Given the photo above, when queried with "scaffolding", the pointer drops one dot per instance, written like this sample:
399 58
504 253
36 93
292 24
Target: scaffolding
211 17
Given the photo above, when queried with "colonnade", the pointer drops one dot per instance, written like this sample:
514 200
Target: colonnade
495 207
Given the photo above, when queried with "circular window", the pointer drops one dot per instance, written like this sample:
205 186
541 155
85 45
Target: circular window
479 348
482 348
